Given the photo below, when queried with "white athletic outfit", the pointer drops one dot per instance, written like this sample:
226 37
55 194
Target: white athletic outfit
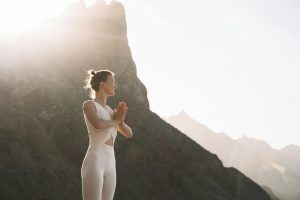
98 170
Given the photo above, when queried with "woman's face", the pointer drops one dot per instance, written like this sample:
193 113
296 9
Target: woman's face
110 85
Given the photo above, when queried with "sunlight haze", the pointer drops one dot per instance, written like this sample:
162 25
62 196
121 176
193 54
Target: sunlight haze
233 66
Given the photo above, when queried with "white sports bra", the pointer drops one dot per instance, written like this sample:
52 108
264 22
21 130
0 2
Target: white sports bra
97 136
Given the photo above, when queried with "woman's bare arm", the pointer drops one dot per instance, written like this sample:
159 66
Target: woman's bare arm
89 109
125 130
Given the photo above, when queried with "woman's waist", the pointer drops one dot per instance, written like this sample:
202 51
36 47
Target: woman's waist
101 132
100 146
94 140
97 137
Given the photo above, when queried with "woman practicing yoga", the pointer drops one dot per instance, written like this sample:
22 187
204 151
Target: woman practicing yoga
98 170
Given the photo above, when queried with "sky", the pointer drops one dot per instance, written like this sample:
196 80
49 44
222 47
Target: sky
232 65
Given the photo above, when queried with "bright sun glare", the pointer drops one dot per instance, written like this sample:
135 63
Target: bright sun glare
18 16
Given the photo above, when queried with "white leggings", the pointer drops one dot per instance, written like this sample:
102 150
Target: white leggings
98 173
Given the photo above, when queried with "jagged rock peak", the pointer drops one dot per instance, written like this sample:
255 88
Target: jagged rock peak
183 114
77 8
99 17
290 147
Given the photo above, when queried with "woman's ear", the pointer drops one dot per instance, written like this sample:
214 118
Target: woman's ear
101 84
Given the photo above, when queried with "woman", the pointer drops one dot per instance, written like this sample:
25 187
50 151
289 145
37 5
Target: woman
98 170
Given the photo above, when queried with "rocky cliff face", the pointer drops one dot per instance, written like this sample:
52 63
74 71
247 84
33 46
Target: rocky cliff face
42 132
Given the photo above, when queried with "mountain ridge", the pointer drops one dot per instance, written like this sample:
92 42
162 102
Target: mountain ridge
247 154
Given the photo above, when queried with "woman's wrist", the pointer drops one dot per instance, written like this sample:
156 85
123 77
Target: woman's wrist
116 122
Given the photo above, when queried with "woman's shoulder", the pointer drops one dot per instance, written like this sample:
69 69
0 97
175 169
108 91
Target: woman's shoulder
88 103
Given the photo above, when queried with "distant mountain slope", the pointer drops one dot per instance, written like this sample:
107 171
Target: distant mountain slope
278 169
42 132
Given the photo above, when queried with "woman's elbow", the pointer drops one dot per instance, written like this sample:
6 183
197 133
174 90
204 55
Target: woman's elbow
130 135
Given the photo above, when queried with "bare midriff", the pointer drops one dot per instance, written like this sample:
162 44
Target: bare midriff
109 141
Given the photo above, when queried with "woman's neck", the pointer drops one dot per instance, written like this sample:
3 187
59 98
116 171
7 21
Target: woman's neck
101 98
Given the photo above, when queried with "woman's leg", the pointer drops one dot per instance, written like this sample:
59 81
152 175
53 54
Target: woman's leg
109 184
92 184
92 177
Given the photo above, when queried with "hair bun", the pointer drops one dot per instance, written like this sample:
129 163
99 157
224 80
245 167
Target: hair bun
93 73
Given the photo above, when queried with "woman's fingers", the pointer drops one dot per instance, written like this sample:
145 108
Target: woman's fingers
121 105
120 112
124 113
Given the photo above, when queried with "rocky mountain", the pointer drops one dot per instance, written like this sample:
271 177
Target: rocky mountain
43 138
277 169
